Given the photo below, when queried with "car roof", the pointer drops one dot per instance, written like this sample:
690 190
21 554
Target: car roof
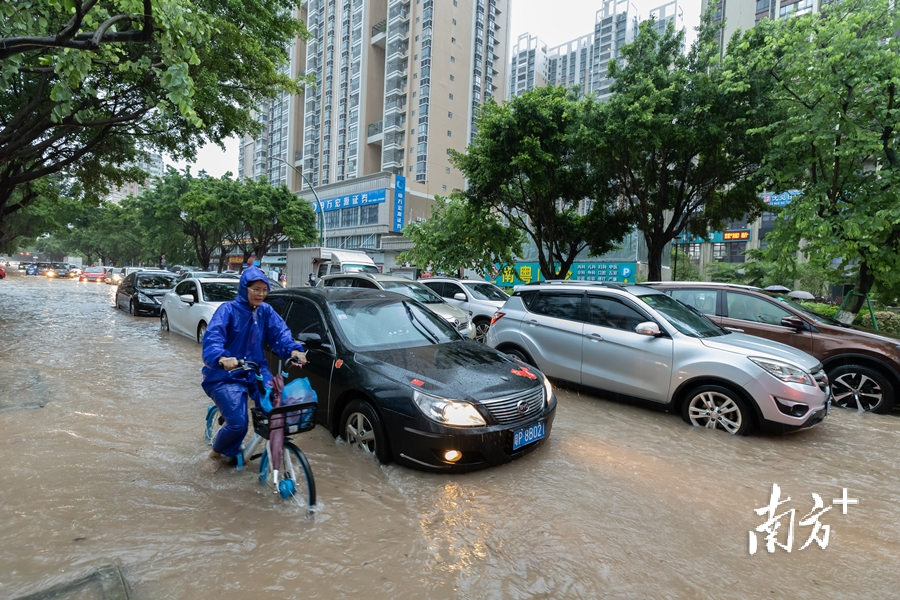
331 294
633 289
371 276
454 279
700 284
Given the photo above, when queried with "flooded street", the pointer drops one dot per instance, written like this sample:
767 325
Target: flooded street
101 435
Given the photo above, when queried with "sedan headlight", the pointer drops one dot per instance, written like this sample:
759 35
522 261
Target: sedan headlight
783 370
548 390
144 298
448 412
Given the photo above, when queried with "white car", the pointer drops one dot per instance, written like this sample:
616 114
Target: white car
188 308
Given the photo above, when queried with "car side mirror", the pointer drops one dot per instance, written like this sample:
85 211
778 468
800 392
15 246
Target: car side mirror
794 323
459 296
310 340
187 298
648 328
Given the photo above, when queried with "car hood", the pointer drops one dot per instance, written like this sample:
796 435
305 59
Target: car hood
456 370
750 345
859 333
449 311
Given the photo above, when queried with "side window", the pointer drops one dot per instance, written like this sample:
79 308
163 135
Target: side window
280 305
181 288
323 270
335 269
751 308
192 290
436 286
702 300
304 317
451 289
560 306
366 284
610 312
339 282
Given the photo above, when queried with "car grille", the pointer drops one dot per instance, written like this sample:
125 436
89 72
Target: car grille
821 380
506 410
461 325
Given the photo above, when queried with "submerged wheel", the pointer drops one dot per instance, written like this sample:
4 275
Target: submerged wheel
716 407
164 321
214 422
481 330
201 331
131 310
301 484
862 389
362 428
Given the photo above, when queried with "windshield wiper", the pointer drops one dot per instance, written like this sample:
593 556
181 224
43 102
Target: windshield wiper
419 325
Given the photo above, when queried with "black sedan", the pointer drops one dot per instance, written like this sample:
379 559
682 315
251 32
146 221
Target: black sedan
397 381
142 292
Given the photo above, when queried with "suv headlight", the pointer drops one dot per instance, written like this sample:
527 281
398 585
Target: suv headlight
783 370
448 412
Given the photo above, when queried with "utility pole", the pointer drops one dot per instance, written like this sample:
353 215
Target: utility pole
323 237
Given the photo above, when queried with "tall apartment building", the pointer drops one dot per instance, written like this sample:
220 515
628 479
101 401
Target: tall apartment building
584 61
397 85
153 165
744 14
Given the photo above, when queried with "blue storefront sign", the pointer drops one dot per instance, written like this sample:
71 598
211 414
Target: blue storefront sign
351 200
526 272
399 203
782 199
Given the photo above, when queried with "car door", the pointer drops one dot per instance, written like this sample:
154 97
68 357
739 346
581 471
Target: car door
189 314
304 317
551 331
175 308
762 317
616 359
125 291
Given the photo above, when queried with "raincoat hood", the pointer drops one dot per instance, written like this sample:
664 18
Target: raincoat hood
250 275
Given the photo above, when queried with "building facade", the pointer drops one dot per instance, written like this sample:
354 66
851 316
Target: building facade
153 165
744 14
397 86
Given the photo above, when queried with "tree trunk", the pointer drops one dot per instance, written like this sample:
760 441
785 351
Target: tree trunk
654 259
857 298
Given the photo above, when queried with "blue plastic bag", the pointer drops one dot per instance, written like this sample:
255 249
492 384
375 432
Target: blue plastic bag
299 391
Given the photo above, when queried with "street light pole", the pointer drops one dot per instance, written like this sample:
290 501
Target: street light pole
323 238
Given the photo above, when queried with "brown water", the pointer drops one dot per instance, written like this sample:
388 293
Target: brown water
622 502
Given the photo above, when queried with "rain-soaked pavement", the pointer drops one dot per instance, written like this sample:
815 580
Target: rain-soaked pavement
101 418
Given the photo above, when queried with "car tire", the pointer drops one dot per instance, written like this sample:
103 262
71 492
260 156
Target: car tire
717 407
164 321
362 428
481 329
515 352
861 388
201 332
131 310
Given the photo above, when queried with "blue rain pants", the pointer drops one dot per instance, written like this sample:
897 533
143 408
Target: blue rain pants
231 398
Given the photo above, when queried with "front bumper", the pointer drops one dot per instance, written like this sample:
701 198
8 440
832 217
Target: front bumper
774 398
145 308
421 443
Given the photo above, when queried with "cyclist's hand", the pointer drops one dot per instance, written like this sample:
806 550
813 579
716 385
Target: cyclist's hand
299 357
228 363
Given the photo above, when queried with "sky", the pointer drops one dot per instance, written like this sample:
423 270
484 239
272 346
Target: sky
537 17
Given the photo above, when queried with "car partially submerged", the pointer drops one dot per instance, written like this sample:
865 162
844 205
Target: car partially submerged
398 381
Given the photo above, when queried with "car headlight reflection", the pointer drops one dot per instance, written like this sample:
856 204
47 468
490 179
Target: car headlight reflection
448 412
783 370
548 390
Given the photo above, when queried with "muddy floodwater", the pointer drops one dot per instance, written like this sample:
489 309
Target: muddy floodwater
101 434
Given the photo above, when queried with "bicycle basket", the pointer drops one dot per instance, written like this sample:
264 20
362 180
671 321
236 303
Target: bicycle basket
296 418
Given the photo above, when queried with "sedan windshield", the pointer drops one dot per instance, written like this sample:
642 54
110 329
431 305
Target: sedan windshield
413 290
219 291
161 281
385 324
682 317
486 291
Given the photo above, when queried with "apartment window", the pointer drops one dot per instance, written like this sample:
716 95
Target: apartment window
454 2
449 115
453 40
415 75
417 38
447 170
416 57
452 78
454 21
449 133
368 215
451 96
453 59
417 19
443 188
719 252
410 166
413 113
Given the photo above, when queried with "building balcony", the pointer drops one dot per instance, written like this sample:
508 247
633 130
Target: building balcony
395 106
375 132
379 34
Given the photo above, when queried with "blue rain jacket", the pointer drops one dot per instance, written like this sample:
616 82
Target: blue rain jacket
239 332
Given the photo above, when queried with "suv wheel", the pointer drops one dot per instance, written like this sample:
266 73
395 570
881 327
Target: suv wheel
520 355
717 407
481 329
861 388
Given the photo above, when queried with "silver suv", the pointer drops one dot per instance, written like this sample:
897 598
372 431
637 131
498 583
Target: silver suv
478 298
402 285
638 343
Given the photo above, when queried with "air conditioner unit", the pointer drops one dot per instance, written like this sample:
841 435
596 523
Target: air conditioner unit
420 219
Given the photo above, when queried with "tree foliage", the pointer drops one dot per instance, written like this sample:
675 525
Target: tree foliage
671 141
460 236
527 166
836 75
87 85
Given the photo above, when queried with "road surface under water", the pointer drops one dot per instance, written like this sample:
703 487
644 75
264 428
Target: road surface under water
101 419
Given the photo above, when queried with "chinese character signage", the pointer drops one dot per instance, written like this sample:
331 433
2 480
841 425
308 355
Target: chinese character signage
740 235
399 203
520 273
782 199
351 200
715 237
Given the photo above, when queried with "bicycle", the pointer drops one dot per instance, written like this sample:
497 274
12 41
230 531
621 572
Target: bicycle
271 424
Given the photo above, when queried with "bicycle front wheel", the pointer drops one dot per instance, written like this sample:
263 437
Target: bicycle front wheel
214 422
295 474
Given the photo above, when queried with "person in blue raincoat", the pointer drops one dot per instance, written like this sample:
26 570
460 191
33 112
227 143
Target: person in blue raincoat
237 331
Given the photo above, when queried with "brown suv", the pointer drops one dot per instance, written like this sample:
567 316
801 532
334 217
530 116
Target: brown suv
863 365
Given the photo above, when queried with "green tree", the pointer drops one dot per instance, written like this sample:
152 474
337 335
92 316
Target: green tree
836 75
671 142
86 86
683 268
458 235
527 165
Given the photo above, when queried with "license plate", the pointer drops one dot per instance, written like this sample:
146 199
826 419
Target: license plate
532 433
